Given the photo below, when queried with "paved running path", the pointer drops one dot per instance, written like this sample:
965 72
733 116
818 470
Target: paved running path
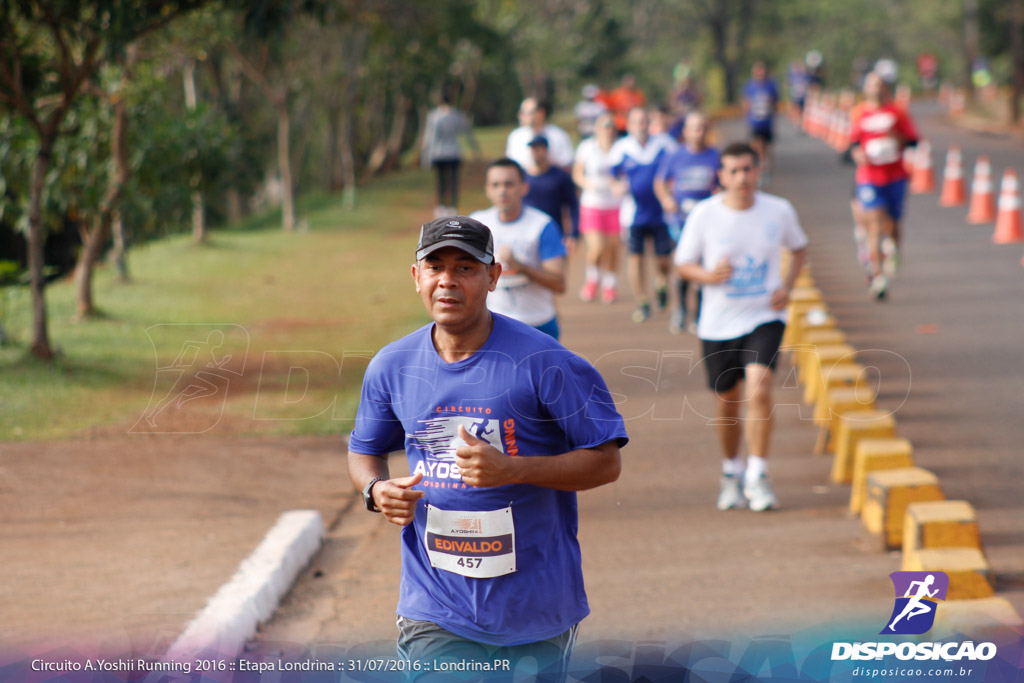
660 562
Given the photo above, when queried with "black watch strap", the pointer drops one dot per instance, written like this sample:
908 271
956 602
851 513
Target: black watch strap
368 495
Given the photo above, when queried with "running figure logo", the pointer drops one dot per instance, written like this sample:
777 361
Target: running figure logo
439 436
914 612
206 359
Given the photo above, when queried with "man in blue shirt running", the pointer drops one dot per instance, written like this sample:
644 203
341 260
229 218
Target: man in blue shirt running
552 189
686 177
635 158
760 100
501 426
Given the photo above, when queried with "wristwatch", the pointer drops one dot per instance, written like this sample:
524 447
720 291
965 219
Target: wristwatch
368 495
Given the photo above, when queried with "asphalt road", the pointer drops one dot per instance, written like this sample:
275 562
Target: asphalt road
661 563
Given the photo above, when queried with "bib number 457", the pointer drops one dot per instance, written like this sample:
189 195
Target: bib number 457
469 562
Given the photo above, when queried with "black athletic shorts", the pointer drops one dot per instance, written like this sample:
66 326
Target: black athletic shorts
725 359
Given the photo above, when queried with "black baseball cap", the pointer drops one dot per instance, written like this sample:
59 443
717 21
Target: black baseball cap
538 140
463 232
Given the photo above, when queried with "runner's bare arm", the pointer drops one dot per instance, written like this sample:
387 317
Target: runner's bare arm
395 497
664 193
698 273
481 464
780 297
550 275
579 176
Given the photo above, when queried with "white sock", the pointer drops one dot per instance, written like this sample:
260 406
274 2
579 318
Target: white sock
593 274
732 467
610 280
756 466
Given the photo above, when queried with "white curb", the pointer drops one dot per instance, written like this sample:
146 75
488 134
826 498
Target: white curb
232 615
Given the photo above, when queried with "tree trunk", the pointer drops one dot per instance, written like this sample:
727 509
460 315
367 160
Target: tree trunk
971 31
284 165
717 24
234 200
118 255
347 159
198 218
331 165
188 77
94 239
36 257
401 117
92 245
1017 53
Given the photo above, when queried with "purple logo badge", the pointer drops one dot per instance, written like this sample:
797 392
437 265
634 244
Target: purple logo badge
917 594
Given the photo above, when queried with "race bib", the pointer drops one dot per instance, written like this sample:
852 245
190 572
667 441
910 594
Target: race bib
881 151
761 107
481 545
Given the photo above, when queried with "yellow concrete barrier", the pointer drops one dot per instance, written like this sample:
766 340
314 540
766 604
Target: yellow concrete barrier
816 359
986 617
844 372
871 455
967 568
854 426
836 402
799 323
889 492
812 340
940 524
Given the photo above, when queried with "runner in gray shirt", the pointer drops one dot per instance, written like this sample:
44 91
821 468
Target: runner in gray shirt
441 150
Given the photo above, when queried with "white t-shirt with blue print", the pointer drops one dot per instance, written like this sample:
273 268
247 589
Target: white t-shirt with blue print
752 241
534 238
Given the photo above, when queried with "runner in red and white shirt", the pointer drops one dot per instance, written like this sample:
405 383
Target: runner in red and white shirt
880 131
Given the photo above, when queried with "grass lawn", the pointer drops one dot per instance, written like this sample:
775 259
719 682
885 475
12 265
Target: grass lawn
293 319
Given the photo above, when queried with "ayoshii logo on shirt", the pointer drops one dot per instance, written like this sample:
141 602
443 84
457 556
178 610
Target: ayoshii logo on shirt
438 438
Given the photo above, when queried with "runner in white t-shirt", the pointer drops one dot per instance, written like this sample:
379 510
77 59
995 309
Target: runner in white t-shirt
599 210
528 244
732 245
533 120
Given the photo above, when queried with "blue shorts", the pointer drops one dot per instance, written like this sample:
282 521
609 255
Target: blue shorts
762 130
663 243
889 197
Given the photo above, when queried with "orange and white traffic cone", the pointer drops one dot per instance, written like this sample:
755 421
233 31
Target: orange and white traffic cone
1008 221
837 138
922 180
953 191
983 198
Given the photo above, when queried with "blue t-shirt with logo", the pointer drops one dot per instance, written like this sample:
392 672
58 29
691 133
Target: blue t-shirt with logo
762 96
528 396
693 177
639 163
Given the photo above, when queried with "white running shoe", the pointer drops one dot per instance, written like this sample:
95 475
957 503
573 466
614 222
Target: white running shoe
729 494
890 257
675 321
878 287
760 495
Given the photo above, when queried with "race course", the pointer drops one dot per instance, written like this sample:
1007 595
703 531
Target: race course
119 539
